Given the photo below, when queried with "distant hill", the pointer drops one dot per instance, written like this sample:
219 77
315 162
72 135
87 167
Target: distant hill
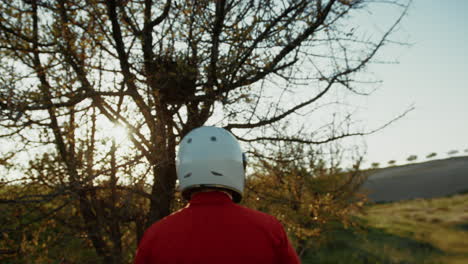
430 179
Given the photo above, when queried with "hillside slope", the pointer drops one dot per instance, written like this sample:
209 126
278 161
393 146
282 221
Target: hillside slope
421 180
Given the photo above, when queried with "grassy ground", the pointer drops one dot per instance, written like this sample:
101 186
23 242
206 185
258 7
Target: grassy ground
417 231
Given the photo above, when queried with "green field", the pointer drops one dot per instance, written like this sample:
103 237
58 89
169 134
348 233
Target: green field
417 231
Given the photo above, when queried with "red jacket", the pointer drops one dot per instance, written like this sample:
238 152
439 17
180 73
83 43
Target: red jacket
213 229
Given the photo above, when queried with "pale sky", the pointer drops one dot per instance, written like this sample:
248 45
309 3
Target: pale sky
432 75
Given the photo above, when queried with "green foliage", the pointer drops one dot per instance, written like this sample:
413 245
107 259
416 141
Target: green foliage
40 228
33 232
308 196
431 155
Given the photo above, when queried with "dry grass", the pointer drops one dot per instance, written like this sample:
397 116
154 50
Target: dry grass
421 231
439 222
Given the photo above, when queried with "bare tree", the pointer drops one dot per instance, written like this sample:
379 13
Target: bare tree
160 69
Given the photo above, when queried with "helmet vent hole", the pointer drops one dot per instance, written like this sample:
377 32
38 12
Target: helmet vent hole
189 140
213 138
188 175
216 173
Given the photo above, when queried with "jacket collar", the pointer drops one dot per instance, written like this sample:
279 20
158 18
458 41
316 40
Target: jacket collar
214 197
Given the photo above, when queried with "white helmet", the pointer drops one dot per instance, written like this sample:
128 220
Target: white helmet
210 157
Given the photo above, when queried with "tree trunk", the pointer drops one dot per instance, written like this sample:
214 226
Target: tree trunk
162 192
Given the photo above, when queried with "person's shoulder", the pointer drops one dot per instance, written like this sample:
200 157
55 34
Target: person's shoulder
160 229
259 216
166 221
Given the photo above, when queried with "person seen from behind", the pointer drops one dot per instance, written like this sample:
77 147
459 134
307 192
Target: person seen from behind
213 227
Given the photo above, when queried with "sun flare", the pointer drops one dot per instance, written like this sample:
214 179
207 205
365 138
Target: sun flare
118 132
